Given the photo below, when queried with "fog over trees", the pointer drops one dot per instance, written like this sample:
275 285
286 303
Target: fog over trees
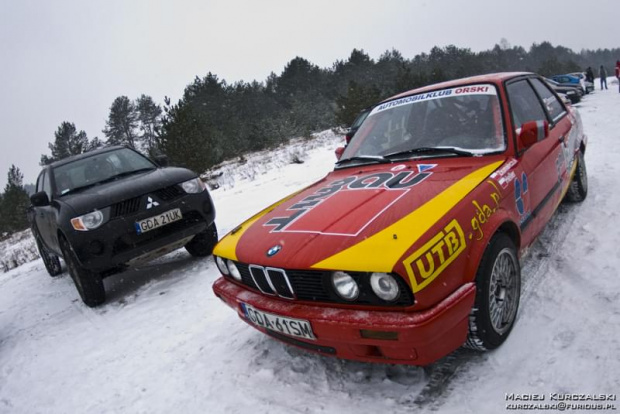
216 120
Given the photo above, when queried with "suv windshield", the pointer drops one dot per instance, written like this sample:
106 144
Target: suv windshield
100 168
465 120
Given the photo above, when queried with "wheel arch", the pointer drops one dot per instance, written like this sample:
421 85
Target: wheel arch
502 224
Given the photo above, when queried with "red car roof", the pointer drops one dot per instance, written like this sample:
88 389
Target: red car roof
488 78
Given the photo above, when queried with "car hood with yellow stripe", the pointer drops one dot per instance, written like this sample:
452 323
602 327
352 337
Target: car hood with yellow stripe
362 218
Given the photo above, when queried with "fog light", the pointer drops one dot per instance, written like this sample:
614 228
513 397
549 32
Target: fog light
95 247
345 286
385 286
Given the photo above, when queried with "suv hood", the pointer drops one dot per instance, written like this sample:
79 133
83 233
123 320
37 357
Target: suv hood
355 215
104 195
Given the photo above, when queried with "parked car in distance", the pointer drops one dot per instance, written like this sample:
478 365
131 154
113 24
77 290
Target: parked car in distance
410 247
572 93
587 85
571 80
111 208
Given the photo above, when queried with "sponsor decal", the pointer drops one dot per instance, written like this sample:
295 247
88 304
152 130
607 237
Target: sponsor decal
504 175
381 251
484 211
521 187
485 89
388 181
426 263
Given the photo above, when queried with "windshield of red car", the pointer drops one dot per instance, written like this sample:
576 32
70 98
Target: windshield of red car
466 118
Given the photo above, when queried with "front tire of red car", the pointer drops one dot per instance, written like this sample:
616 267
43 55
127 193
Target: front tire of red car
89 284
203 243
578 189
498 291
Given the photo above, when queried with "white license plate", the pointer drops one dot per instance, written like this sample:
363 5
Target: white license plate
288 326
159 220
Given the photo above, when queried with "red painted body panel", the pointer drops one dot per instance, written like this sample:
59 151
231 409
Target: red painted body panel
423 337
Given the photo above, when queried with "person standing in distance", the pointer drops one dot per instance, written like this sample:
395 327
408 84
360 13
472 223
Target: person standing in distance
602 73
618 73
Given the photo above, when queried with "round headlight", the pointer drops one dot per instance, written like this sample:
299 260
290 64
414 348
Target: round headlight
385 286
221 264
345 285
232 268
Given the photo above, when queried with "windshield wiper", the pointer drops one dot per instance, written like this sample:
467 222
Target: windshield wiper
431 150
125 174
375 158
78 189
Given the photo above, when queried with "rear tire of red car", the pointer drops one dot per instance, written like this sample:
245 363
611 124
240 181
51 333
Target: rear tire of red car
89 284
578 189
203 243
498 290
51 262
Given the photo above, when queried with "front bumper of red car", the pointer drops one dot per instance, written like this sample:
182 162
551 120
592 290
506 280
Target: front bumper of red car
414 338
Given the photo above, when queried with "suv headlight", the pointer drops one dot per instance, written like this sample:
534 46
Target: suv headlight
88 221
193 186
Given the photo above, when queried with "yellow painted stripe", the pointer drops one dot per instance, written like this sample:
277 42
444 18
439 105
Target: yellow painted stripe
380 252
227 247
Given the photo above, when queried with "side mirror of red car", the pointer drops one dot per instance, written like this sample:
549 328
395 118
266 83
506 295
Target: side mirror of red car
532 132
339 152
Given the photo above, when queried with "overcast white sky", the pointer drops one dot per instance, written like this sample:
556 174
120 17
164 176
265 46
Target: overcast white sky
66 60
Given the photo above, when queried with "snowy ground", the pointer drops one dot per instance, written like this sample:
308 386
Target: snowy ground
163 343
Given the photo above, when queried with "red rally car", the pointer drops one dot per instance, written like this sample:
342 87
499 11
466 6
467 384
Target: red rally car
410 247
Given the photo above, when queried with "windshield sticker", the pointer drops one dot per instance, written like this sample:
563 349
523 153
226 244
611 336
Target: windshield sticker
376 192
460 91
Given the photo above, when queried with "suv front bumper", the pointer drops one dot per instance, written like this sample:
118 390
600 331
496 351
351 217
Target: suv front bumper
117 242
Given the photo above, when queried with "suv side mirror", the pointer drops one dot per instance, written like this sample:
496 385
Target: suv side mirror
532 132
40 199
161 160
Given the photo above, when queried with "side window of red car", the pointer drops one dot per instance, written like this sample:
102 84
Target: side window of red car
552 104
524 103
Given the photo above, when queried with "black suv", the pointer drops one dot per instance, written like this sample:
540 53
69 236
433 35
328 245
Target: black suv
111 208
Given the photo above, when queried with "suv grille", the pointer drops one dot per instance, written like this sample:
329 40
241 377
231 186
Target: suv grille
132 205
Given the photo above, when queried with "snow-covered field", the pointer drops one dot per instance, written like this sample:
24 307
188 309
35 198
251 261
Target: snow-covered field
163 343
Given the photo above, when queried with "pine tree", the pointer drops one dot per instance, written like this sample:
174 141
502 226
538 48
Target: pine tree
68 141
121 126
357 98
14 202
149 119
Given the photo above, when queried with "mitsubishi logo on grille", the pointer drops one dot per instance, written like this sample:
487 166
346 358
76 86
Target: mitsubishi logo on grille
151 203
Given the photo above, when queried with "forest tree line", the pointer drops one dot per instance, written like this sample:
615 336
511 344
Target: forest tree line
216 120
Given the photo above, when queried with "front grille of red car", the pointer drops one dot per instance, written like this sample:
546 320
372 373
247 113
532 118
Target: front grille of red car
315 286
